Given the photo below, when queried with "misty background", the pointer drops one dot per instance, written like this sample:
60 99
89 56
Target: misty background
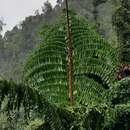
12 12
22 21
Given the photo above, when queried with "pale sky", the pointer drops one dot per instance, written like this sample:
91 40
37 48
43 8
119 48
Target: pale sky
14 11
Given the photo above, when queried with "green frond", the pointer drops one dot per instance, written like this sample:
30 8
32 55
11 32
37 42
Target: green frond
94 63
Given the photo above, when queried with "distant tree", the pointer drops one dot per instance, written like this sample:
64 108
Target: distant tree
37 12
47 8
1 46
1 39
1 24
1 42
121 20
59 2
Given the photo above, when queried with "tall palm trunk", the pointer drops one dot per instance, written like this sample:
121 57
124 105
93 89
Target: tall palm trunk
70 59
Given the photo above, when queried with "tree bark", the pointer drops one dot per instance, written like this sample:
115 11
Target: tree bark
70 53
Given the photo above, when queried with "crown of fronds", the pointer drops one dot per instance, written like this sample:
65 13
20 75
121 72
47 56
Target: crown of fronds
94 63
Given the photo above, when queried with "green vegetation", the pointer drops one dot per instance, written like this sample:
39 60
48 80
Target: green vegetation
100 102
121 20
72 80
92 66
18 43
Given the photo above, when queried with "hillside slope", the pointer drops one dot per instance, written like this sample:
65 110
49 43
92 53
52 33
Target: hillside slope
19 42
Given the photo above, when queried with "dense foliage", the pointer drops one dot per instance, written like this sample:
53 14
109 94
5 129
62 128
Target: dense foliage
92 66
101 102
41 101
121 20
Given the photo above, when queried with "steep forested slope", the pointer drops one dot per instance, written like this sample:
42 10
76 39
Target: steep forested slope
17 43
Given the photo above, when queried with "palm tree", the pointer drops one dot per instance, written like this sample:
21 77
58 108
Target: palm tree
69 79
95 63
